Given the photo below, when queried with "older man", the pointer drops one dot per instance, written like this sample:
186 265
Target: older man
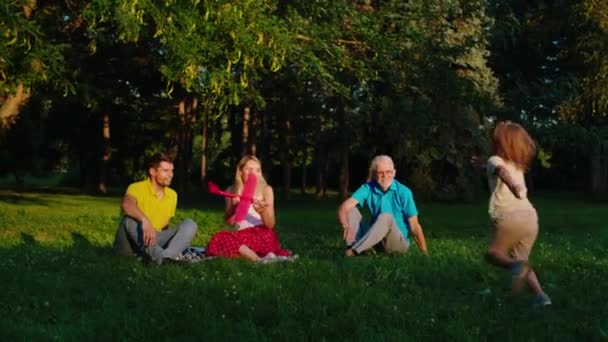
148 207
393 211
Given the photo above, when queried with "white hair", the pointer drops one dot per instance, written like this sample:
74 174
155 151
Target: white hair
377 160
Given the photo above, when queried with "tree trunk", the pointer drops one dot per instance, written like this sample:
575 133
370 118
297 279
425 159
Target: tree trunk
253 136
19 178
344 174
28 8
599 175
106 153
186 112
11 106
285 160
205 123
245 132
320 160
179 164
322 168
262 145
303 179
345 150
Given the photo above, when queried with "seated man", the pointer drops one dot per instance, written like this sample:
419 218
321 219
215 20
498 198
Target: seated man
147 207
394 213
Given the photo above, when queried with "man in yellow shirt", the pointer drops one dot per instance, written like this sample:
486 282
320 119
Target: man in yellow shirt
148 207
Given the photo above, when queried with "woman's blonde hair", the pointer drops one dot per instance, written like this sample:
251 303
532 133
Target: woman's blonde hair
237 187
513 143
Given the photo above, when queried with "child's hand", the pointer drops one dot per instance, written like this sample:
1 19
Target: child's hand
477 162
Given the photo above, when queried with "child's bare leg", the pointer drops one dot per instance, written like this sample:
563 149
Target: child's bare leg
248 253
540 297
496 256
519 268
533 283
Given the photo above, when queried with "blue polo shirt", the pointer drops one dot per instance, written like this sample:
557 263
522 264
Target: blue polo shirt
397 201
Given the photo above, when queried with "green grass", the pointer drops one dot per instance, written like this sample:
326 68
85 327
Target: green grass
61 282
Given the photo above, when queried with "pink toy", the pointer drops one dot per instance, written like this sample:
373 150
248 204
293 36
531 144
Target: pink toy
245 199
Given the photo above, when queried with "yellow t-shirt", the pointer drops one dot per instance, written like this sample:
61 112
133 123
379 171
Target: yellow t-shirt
158 211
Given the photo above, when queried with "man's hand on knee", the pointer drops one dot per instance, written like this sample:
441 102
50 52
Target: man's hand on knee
149 233
348 234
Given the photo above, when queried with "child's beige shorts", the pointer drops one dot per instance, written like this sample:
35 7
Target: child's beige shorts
517 232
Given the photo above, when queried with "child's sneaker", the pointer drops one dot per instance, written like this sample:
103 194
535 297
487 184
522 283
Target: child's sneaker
540 300
519 275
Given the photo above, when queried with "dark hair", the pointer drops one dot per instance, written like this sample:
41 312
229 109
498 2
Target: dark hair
157 158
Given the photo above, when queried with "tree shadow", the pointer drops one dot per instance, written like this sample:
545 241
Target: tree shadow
13 197
81 291
80 246
28 240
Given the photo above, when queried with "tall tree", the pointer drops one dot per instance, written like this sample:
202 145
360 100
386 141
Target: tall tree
28 55
589 46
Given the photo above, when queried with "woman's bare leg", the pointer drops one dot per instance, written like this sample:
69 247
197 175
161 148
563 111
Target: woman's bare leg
248 253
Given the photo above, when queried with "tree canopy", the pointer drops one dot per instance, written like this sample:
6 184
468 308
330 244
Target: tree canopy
315 88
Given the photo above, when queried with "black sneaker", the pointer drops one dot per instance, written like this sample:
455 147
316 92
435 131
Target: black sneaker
541 300
175 261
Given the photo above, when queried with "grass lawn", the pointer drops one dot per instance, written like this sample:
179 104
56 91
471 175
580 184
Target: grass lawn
61 282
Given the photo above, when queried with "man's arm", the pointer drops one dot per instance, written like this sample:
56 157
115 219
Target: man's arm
130 208
348 232
418 234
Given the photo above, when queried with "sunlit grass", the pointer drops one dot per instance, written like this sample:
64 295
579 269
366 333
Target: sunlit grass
61 281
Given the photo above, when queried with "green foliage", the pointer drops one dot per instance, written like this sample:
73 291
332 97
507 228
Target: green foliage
550 56
527 43
570 150
544 158
432 88
588 104
421 183
29 55
65 284
212 48
415 79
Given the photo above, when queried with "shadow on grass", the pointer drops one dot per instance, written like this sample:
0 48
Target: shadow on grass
82 292
13 197
80 247
44 190
41 198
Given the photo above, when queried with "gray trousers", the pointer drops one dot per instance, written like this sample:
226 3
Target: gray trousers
383 235
170 243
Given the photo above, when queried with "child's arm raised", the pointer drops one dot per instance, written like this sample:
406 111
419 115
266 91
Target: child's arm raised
518 190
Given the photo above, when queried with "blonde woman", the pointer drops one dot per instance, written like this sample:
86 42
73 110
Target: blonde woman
514 218
254 238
